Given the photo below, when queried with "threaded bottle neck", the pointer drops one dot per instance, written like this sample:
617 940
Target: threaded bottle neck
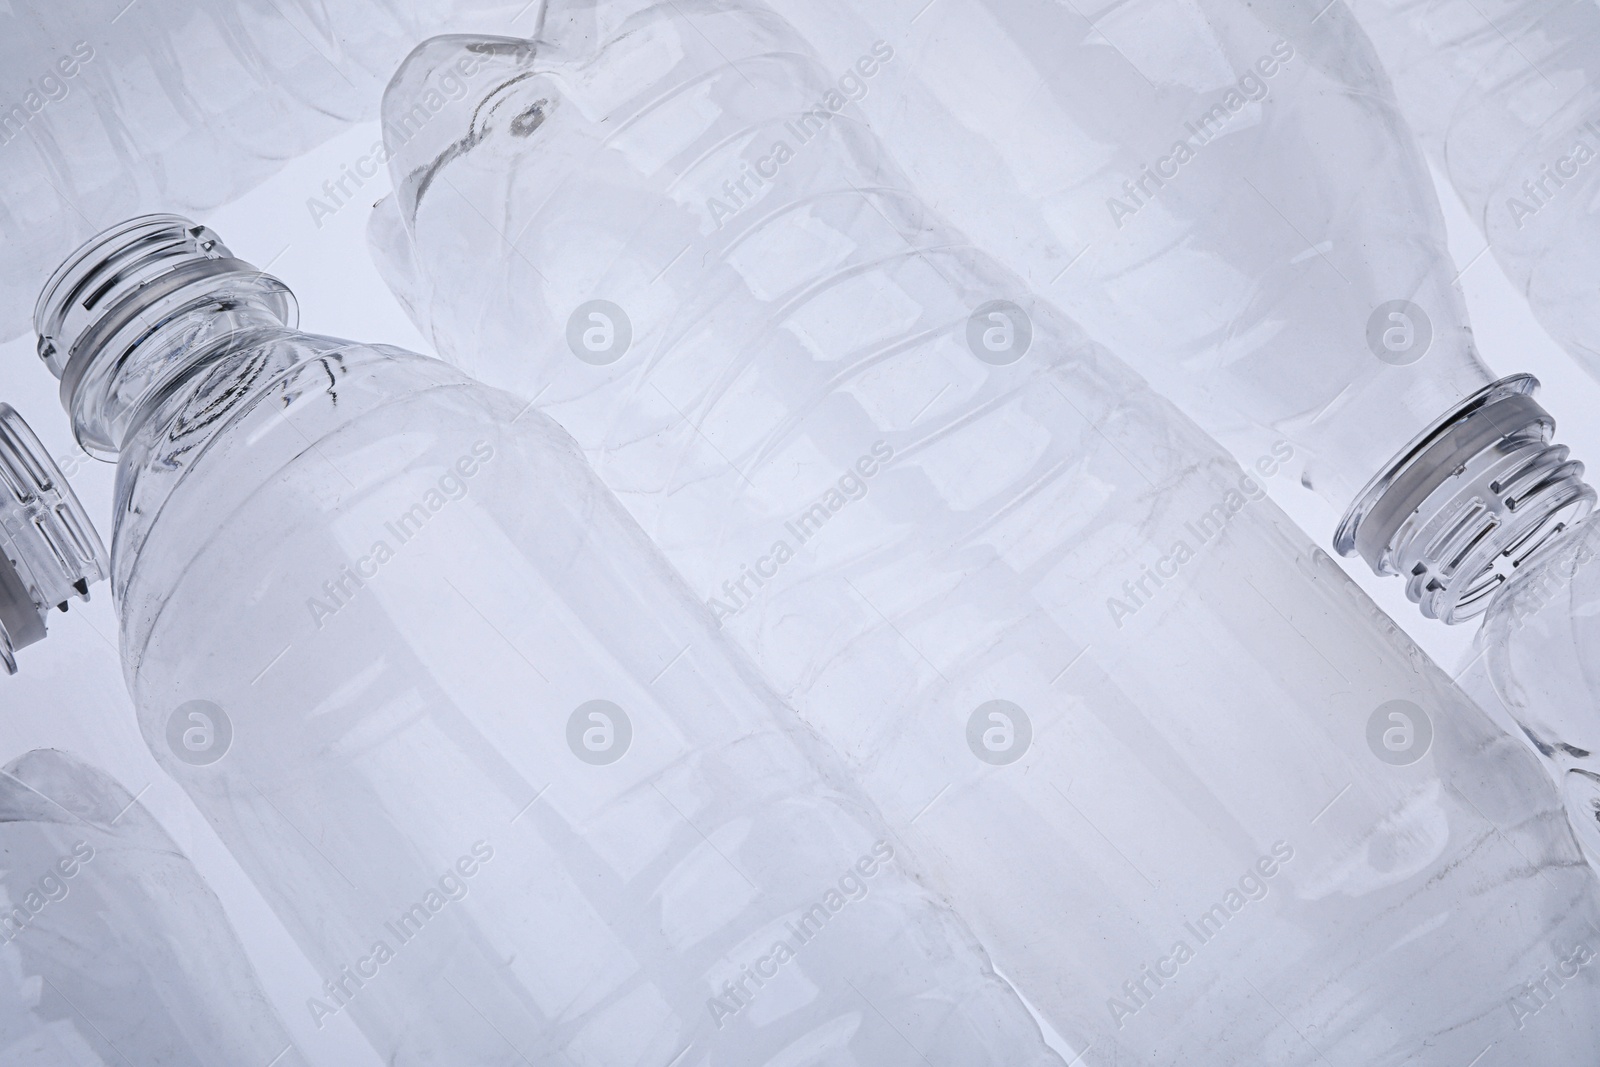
1470 502
137 307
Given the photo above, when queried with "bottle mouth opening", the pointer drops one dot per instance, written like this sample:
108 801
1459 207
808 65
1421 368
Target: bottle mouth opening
1355 534
107 266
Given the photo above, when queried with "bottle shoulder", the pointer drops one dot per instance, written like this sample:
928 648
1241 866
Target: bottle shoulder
264 406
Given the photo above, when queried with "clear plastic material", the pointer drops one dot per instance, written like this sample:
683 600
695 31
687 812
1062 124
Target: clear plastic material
1506 93
112 107
1539 654
480 751
113 951
1238 272
50 553
1201 801
1226 194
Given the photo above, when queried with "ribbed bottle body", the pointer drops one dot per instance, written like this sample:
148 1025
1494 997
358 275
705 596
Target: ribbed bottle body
1064 643
1221 193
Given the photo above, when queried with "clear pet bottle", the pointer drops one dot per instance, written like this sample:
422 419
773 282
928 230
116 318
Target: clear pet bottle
1104 688
1227 195
483 755
1537 656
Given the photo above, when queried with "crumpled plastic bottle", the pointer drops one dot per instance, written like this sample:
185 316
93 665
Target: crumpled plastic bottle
1100 683
113 950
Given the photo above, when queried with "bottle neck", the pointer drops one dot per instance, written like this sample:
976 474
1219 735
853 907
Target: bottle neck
1466 507
139 309
113 398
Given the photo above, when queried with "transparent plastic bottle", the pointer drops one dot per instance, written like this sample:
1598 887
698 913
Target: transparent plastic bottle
1200 255
113 950
1537 658
111 107
1102 686
481 753
1226 194
1288 264
1507 96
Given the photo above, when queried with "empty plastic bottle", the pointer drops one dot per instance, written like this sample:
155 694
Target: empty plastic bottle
1208 148
113 950
1204 162
480 752
111 107
1201 801
1226 193
1507 96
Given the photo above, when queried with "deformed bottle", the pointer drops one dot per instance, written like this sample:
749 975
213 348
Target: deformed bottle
481 753
113 950
1201 801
